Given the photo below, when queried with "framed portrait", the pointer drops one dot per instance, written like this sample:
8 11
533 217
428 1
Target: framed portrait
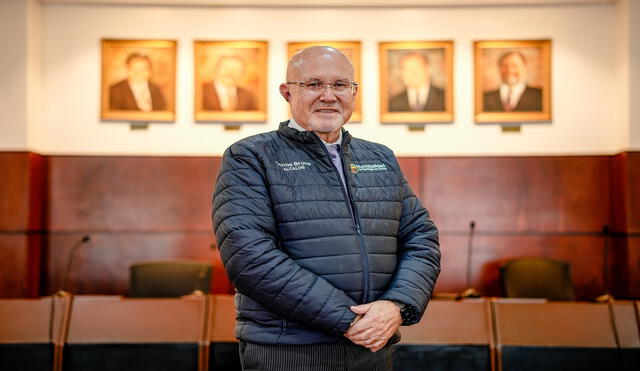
512 81
138 80
352 49
416 82
230 81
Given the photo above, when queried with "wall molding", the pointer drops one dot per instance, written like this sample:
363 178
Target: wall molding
333 3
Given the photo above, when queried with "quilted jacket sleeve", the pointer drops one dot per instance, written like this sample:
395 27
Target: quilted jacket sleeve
418 258
246 231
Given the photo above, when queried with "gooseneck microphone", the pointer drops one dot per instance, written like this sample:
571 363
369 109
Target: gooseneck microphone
63 290
472 229
469 292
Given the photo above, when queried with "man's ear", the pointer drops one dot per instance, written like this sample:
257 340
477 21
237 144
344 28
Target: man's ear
284 91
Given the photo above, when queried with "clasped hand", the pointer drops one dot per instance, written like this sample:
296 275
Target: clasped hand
374 325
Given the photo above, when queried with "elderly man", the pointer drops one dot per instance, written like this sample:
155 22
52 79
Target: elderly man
513 94
328 248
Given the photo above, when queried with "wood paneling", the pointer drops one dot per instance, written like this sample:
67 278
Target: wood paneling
633 188
21 209
130 193
633 267
146 208
544 194
625 192
411 169
14 191
585 254
14 263
102 265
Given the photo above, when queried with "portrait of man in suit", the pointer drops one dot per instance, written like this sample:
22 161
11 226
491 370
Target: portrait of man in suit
513 93
419 94
224 92
230 81
136 92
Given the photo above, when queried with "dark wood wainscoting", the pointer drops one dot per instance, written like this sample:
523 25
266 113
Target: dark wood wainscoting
22 185
146 208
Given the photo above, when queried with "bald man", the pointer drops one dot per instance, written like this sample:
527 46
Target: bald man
329 249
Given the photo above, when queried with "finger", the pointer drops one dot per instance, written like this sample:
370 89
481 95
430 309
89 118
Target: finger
360 309
378 345
367 340
360 327
362 337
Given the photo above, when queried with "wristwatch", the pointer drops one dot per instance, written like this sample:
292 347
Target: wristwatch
405 312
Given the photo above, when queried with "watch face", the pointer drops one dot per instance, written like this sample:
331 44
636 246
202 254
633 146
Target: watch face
405 312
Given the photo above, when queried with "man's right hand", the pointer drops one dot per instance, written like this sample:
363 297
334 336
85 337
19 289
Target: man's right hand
379 321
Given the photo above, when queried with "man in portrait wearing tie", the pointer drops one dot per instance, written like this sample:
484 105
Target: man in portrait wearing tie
513 94
136 92
223 93
419 94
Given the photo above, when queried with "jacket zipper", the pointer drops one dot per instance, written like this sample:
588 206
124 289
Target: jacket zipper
354 218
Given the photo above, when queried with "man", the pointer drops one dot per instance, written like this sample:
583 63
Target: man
419 94
136 92
326 244
223 93
513 95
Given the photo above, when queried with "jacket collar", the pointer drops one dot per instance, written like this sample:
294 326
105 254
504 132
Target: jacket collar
309 137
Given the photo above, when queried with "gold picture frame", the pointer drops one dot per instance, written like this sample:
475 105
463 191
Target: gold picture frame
353 51
230 81
416 82
138 80
512 81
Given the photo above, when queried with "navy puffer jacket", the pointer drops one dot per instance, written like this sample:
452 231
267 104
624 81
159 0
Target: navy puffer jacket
299 254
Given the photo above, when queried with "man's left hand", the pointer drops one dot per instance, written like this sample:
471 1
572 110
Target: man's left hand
381 319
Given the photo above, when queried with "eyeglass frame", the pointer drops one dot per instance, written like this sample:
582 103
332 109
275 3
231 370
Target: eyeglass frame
353 84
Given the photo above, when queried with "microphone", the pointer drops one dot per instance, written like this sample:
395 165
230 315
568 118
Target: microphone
606 297
469 292
63 290
202 273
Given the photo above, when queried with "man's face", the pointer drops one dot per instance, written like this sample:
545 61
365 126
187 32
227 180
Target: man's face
414 72
321 111
229 71
139 70
512 69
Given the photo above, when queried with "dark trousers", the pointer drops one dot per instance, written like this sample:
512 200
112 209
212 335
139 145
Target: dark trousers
342 356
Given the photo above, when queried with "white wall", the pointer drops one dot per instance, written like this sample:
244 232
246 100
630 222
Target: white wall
34 74
634 72
583 64
622 73
13 75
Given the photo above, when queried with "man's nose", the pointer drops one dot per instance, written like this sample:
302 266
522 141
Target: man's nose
327 93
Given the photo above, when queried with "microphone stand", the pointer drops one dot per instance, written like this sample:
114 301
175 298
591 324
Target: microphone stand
606 297
201 275
62 292
469 292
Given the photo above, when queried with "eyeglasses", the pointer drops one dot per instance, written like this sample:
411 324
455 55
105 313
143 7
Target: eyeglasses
338 87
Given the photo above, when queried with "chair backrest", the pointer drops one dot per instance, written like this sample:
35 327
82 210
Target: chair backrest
537 278
169 279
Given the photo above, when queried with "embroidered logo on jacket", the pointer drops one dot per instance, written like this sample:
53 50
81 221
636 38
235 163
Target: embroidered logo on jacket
356 168
294 165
